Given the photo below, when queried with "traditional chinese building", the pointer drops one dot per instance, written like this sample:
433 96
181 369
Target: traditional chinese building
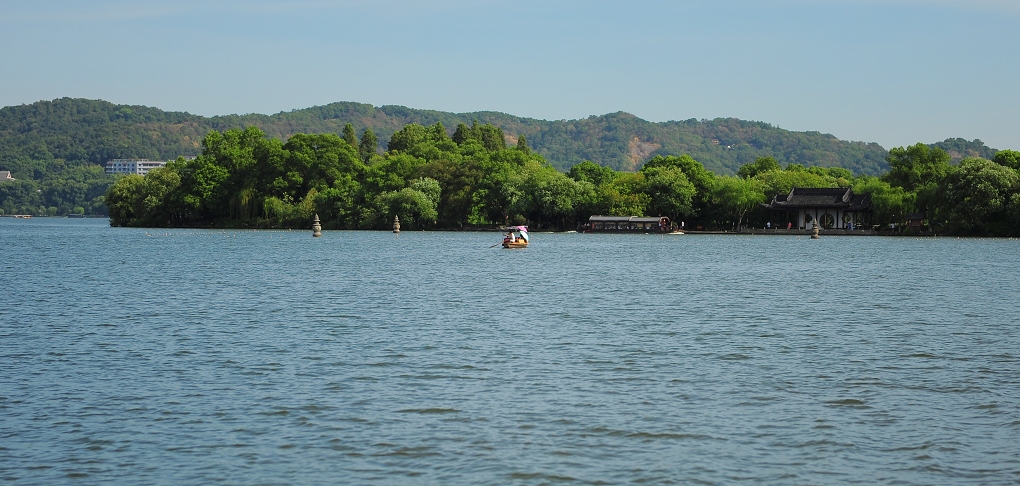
830 207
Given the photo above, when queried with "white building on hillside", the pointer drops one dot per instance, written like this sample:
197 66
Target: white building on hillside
132 166
5 175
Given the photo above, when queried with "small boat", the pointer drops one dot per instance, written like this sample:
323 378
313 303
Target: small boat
516 237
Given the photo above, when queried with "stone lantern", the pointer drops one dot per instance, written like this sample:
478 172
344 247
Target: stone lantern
396 224
316 227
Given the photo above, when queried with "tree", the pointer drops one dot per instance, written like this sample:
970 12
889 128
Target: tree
889 204
782 181
1008 158
522 144
123 200
552 197
736 196
437 133
407 137
461 134
670 192
490 136
430 188
589 171
696 173
414 207
368 145
760 165
978 193
916 166
628 195
202 183
349 136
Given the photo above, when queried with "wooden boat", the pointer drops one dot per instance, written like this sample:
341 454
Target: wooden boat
516 237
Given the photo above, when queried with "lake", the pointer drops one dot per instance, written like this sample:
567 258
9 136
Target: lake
267 357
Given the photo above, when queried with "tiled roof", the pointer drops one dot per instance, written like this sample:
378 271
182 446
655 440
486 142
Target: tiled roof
820 197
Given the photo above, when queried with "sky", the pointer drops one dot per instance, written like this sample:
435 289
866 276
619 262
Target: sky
895 72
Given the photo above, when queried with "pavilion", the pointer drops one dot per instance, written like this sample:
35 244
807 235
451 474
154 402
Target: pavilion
830 207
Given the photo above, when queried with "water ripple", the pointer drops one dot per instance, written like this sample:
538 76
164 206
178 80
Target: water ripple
193 356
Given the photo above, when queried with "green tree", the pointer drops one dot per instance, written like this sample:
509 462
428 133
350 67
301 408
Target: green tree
437 133
670 193
522 144
1008 158
160 201
702 179
628 195
979 194
368 145
782 181
760 165
124 200
414 207
430 188
916 166
458 177
889 204
589 171
552 196
203 192
736 196
349 136
461 134
407 137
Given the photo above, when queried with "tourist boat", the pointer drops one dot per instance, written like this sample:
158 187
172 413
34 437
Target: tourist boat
516 237
628 224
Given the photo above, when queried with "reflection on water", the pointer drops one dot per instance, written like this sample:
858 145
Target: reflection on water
271 356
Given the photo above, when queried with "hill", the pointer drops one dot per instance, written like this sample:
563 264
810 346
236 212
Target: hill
80 131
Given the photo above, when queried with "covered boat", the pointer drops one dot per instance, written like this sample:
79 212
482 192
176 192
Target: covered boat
516 237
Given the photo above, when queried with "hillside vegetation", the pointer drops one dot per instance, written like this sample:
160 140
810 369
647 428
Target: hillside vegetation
56 149
473 178
94 131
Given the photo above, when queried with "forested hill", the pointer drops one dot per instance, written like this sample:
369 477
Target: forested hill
94 131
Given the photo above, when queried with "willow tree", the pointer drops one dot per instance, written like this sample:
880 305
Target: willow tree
736 196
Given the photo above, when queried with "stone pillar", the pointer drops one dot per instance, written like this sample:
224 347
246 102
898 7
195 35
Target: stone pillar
814 230
316 227
396 224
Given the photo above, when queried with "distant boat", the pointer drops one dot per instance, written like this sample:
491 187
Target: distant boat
628 224
23 216
516 237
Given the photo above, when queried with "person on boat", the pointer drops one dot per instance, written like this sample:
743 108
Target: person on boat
510 237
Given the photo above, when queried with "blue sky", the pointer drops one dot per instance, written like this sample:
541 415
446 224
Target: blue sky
896 72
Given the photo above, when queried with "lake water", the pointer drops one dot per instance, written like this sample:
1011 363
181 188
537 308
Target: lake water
266 357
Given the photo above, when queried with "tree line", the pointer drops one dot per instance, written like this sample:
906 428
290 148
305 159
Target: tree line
435 179
94 131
